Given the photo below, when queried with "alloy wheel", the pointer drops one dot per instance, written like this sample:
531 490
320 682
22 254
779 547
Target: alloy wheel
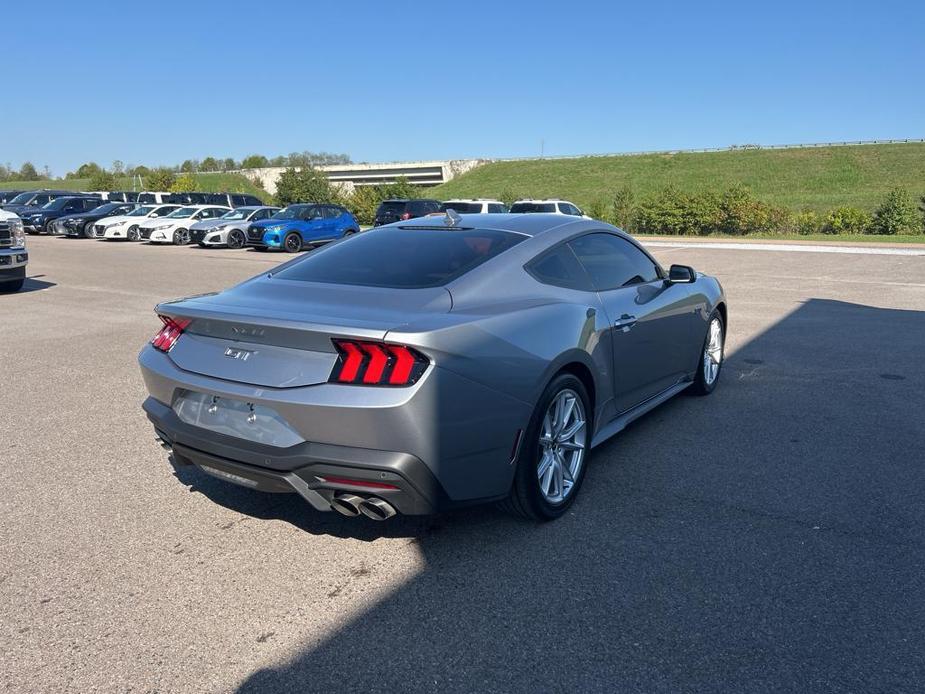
713 352
562 446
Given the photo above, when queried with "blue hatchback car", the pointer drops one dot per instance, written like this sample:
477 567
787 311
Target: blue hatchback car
302 225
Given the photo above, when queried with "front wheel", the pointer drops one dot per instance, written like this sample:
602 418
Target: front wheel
236 239
711 358
11 287
553 453
88 231
181 237
292 243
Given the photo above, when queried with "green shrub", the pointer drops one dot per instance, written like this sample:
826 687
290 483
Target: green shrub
159 179
897 215
846 220
509 197
304 185
599 209
742 214
624 207
363 202
674 213
807 222
102 180
183 184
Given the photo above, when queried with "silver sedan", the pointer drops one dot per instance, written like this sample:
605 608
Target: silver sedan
229 229
432 363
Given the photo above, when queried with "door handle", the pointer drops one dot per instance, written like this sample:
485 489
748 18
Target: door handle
625 323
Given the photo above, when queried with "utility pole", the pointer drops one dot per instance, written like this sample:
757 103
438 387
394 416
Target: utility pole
542 147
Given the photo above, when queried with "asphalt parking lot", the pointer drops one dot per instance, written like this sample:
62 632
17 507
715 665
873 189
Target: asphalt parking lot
767 538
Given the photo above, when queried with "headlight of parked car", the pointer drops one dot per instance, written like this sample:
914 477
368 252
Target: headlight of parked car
18 234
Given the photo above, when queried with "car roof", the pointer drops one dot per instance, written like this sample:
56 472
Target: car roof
471 200
526 224
545 200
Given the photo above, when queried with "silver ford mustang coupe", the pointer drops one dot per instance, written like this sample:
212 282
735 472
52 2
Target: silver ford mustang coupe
432 363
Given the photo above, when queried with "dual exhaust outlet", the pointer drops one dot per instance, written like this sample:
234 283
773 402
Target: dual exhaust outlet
351 505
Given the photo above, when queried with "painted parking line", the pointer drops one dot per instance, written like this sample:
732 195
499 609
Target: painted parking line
786 248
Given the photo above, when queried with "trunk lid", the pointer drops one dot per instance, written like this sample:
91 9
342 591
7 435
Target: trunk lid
277 333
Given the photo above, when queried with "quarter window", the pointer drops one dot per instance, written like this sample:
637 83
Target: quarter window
613 262
560 267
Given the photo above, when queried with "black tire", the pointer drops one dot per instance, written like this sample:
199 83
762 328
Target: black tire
46 227
702 385
11 287
236 239
526 499
88 231
349 232
180 237
132 233
292 243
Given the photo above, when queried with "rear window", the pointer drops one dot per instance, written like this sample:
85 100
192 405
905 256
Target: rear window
533 207
462 207
398 207
402 258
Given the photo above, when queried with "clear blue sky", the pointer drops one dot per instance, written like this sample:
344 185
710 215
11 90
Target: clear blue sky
158 82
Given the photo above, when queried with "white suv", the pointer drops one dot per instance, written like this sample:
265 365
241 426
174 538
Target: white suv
174 228
547 207
479 206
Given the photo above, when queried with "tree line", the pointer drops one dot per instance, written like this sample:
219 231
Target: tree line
29 172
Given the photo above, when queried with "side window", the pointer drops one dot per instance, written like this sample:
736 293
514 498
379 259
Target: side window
431 206
566 208
331 212
258 215
251 200
613 262
560 268
237 200
494 207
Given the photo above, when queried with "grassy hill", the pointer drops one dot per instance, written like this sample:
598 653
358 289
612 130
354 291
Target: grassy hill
207 183
816 178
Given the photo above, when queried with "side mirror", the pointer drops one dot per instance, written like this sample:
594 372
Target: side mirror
681 274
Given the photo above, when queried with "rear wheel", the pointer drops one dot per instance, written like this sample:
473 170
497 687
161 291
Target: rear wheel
48 228
711 358
88 231
292 243
553 453
349 232
236 239
132 233
181 237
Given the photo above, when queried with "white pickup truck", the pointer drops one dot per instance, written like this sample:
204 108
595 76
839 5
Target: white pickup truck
13 256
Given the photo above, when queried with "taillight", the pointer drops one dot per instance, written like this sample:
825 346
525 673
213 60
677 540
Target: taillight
406 215
377 364
167 336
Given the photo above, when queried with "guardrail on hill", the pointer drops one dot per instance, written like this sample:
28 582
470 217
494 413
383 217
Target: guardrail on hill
730 148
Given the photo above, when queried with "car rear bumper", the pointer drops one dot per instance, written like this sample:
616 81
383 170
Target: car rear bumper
447 440
310 469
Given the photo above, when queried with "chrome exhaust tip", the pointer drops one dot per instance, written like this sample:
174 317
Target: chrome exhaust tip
347 504
377 509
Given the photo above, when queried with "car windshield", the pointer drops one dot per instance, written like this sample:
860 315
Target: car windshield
57 204
108 207
533 207
462 207
402 258
182 213
291 212
22 199
396 207
240 213
139 211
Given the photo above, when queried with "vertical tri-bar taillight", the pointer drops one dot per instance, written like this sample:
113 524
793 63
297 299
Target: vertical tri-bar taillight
361 362
167 336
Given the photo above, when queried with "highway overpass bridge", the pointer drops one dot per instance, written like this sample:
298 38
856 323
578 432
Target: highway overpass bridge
348 176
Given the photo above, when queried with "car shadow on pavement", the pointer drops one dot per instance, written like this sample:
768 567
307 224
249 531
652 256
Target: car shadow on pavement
768 537
35 284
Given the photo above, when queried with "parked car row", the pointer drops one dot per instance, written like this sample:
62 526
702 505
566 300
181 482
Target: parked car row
182 218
